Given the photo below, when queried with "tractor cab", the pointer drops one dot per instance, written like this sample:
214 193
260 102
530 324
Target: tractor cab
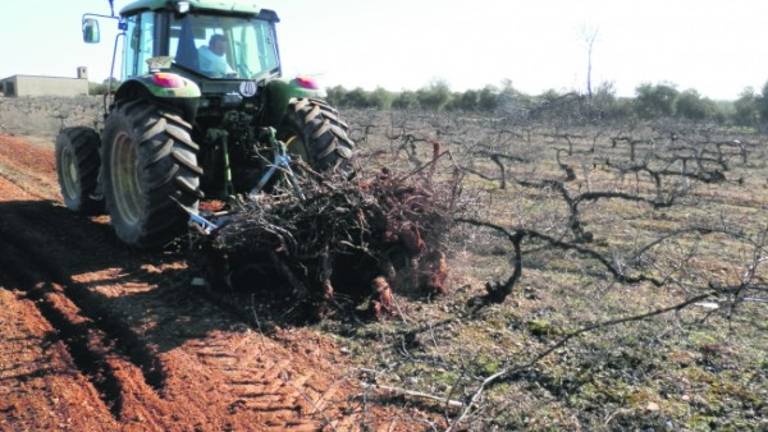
202 56
202 112
233 41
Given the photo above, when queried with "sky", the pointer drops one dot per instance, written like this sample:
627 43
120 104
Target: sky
716 47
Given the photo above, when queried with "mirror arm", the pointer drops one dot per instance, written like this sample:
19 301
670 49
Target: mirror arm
112 72
121 24
93 15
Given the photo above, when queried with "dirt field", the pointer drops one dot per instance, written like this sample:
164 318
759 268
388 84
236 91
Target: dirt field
99 337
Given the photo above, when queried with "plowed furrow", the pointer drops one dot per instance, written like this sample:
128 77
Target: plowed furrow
41 386
85 342
30 223
87 302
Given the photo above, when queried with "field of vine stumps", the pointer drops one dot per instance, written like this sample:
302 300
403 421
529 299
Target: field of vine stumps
601 276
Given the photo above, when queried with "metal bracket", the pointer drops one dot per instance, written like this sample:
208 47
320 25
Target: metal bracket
281 162
196 219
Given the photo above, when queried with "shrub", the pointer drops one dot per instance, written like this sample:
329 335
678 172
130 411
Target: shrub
654 101
406 100
690 105
435 96
746 108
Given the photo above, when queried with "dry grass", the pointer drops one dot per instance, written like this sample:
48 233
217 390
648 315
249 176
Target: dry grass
690 370
677 371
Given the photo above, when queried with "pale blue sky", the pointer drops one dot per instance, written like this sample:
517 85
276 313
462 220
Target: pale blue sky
717 47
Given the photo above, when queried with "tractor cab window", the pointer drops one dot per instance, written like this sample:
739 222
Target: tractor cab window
224 46
131 47
146 45
139 38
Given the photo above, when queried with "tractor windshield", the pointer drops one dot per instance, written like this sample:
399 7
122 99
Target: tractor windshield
220 46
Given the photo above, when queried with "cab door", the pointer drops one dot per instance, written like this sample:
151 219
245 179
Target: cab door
139 45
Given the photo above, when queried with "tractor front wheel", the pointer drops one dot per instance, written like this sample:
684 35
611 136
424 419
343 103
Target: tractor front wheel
315 132
150 162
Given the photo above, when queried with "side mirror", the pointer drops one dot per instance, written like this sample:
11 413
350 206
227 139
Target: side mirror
91 33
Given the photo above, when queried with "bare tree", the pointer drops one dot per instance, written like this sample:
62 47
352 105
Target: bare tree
590 36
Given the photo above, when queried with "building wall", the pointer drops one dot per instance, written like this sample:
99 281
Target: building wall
9 87
50 86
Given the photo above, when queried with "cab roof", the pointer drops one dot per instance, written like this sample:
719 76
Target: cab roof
238 6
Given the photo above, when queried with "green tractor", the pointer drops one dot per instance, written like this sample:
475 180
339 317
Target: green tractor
202 113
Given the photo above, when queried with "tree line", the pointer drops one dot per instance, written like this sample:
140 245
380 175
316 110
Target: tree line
95 89
651 101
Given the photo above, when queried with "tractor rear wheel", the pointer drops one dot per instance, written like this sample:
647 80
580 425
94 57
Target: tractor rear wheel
77 166
150 160
315 132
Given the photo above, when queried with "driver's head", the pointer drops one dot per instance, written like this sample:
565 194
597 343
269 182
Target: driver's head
218 44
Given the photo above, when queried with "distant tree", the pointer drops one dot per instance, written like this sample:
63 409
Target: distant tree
746 109
114 81
590 36
724 111
406 99
337 96
549 96
435 96
96 88
563 107
358 98
652 101
381 98
466 101
512 101
624 108
100 89
454 102
606 90
488 98
690 105
606 105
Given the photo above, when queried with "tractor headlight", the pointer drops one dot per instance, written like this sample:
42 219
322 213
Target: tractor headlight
182 7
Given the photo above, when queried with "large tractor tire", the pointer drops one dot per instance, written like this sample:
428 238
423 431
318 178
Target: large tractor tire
77 165
150 162
315 132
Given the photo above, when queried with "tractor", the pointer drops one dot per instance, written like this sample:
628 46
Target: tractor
202 113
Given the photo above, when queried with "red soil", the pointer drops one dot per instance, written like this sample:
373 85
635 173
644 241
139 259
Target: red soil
98 337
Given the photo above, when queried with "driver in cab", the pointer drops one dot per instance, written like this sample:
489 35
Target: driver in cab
212 58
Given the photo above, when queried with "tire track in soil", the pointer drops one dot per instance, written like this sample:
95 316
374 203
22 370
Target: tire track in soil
83 341
125 341
118 381
252 382
178 361
104 351
41 376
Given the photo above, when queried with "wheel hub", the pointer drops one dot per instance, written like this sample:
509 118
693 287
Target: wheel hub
70 174
129 199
